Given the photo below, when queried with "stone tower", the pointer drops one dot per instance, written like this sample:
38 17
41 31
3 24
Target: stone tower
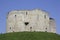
29 20
52 25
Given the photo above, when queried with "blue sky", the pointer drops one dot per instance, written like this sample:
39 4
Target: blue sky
51 6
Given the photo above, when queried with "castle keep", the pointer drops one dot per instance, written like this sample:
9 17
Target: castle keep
30 20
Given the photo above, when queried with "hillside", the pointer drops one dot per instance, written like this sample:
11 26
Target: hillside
29 36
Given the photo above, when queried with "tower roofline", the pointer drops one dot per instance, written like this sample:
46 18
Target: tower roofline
51 18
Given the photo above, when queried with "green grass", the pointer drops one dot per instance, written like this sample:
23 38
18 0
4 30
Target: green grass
29 36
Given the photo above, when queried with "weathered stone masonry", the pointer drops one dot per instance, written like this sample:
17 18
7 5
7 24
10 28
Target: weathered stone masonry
30 20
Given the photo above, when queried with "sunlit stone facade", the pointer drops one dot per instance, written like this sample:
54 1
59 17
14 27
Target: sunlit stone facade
29 20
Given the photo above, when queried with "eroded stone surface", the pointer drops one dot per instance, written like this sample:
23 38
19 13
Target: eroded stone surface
30 20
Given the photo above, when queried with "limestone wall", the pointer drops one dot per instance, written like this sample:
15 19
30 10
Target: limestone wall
52 25
28 20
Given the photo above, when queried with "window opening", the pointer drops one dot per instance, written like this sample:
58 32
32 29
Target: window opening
46 29
15 15
30 28
10 27
44 16
26 13
26 23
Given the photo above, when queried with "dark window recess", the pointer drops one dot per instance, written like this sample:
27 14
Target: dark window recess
15 15
13 31
10 27
44 16
46 29
26 23
30 27
26 13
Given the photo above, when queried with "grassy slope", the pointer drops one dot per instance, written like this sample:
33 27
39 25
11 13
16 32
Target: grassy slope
29 36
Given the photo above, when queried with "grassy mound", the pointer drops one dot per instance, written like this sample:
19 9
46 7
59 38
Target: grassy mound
29 36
